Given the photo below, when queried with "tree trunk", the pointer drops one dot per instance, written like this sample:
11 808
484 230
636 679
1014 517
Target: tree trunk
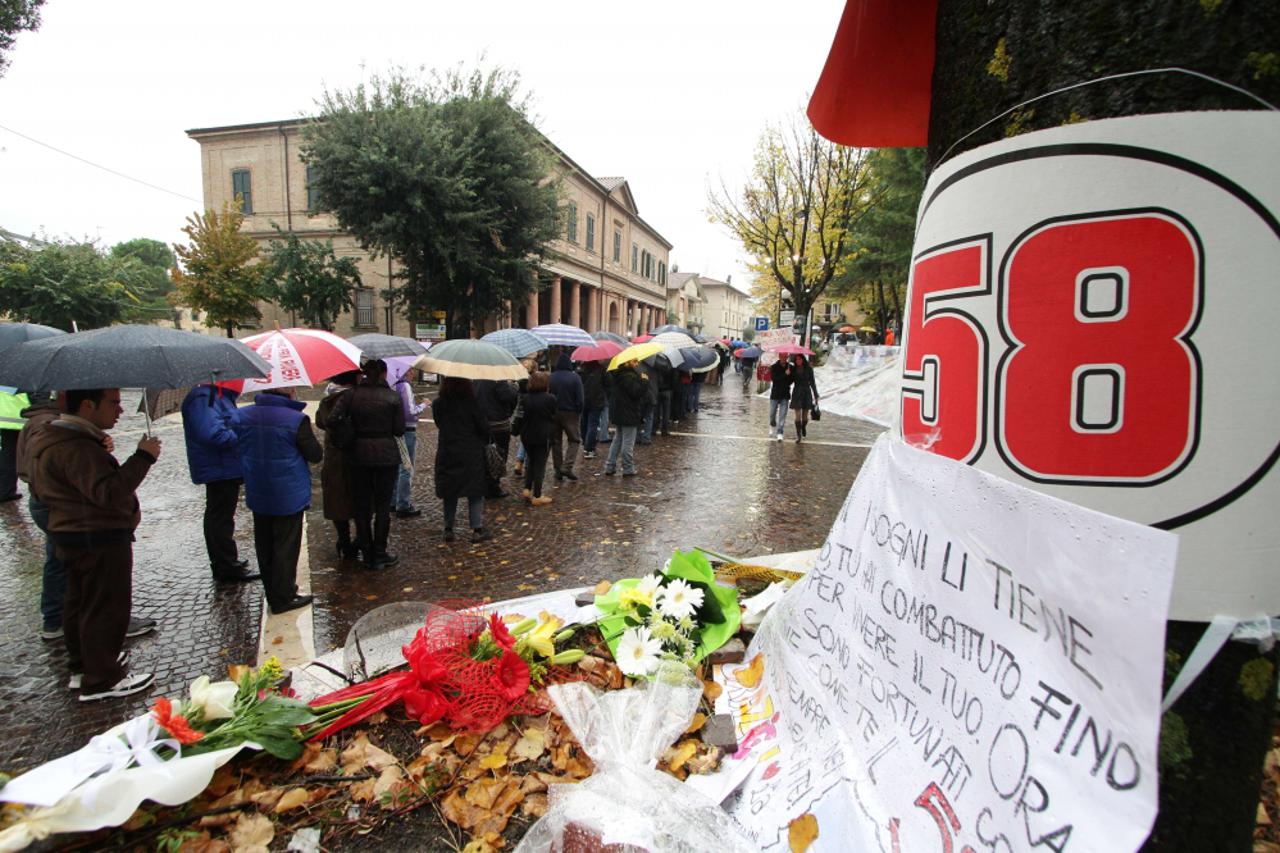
993 56
231 330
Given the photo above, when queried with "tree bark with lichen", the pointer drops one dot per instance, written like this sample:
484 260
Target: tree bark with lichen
994 57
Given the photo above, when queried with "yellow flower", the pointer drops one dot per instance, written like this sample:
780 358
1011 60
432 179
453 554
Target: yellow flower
542 638
635 597
271 670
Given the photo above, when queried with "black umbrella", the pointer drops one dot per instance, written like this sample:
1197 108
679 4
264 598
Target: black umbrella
128 357
12 334
375 345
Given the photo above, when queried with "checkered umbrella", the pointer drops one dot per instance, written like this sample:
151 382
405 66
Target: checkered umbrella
518 342
563 335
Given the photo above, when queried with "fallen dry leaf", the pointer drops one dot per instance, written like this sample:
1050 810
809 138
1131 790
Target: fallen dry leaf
390 779
378 718
704 762
534 805
531 745
361 754
252 833
749 676
204 843
679 754
712 690
493 761
802 832
489 842
362 791
483 793
696 723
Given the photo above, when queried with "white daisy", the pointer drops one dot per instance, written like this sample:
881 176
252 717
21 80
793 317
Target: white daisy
648 586
638 652
679 600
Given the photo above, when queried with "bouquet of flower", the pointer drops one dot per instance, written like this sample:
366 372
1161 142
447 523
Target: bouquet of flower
467 670
679 614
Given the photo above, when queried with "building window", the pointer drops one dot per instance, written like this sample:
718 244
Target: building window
591 233
313 195
617 247
635 258
242 189
662 273
364 307
571 228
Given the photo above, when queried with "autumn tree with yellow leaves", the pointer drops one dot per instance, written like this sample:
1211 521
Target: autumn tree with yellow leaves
217 272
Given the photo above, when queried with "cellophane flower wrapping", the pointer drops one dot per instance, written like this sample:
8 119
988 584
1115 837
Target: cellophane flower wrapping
627 802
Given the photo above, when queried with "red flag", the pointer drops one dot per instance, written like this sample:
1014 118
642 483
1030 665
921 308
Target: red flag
874 90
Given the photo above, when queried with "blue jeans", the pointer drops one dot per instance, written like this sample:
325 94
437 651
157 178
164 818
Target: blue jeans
591 433
646 428
475 512
53 587
693 397
778 415
624 443
520 454
402 499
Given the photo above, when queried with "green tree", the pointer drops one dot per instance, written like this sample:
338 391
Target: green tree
877 272
16 16
796 215
61 283
155 260
447 177
305 276
217 273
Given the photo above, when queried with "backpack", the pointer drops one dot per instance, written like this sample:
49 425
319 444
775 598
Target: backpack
339 426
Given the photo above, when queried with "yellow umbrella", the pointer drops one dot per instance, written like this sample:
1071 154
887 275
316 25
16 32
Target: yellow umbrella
636 352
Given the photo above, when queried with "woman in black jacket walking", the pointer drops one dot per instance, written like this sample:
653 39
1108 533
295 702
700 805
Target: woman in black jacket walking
804 393
535 431
460 466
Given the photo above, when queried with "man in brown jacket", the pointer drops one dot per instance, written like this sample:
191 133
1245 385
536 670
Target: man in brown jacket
93 511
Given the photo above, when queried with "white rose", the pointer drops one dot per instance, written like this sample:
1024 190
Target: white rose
214 699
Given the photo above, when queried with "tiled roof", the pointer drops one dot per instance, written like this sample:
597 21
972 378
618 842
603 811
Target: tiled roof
611 184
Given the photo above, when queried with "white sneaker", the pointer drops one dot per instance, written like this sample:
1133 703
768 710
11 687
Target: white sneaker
779 436
124 687
77 678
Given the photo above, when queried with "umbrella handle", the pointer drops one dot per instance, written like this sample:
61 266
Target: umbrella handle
146 412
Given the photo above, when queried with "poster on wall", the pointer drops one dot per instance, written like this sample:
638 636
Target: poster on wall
970 665
1093 312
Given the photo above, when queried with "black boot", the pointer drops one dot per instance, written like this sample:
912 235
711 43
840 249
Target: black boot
804 428
799 432
346 548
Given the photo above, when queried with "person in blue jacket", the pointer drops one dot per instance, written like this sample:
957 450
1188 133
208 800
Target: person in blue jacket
276 443
208 421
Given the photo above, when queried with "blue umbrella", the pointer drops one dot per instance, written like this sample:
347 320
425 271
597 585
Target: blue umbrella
699 359
736 344
751 352
518 342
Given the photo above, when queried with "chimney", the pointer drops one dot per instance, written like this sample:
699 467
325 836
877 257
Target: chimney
728 279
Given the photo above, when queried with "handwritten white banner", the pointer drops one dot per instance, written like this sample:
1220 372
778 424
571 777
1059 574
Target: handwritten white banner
970 664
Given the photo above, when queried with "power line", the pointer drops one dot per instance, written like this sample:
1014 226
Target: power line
98 166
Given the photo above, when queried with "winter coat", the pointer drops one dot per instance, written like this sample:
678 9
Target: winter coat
91 497
335 473
378 417
629 395
497 399
780 373
649 379
464 432
36 418
804 392
593 394
539 412
566 385
276 443
208 422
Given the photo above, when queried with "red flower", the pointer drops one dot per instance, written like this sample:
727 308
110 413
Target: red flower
501 636
424 664
425 706
511 676
175 724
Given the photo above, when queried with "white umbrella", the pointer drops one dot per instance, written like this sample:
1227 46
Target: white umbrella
679 340
471 359
563 335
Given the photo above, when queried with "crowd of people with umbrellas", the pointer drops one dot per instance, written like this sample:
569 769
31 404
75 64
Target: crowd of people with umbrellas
555 389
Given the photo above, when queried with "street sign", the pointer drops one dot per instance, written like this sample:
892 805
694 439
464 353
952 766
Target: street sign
762 323
786 317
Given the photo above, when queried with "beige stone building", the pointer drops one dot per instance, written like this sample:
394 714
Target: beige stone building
685 301
607 269
725 310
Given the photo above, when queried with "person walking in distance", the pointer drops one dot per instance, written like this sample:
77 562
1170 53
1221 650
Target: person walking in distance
276 444
208 422
804 394
540 409
630 391
402 499
566 385
780 375
335 472
460 465
377 416
93 512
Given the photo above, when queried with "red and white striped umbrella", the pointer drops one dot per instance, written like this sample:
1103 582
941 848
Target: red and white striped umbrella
298 357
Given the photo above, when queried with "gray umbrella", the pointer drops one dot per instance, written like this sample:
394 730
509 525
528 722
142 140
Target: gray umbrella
374 345
470 360
128 357
518 342
611 336
12 334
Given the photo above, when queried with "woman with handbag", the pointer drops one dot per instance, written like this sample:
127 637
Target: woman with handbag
537 413
460 470
804 393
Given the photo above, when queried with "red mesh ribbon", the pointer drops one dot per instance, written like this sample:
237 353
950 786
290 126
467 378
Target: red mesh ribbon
444 682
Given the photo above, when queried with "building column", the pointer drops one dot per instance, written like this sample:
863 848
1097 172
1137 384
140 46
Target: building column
555 317
594 322
533 309
575 303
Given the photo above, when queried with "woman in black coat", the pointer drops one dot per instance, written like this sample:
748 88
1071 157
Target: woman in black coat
460 465
804 393
535 432
335 471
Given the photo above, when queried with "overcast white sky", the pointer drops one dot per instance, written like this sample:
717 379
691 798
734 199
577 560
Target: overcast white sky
671 95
